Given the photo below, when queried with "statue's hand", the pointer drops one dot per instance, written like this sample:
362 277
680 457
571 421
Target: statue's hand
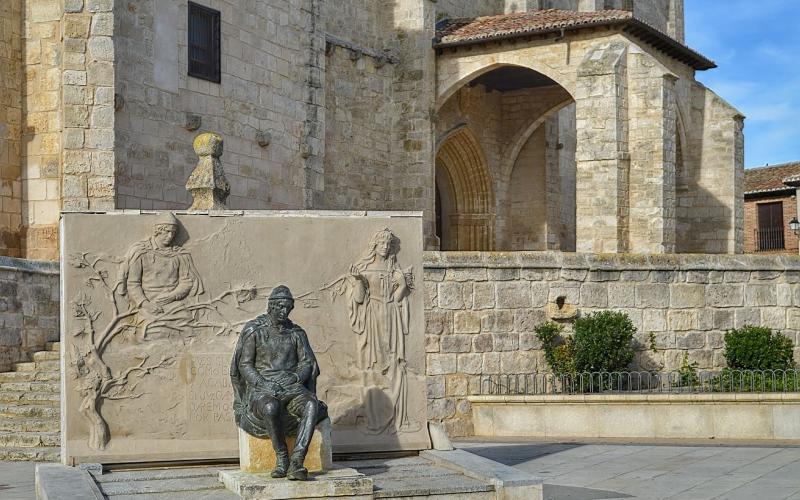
152 308
272 388
163 300
355 273
287 378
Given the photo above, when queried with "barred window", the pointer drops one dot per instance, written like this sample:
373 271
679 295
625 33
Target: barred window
204 43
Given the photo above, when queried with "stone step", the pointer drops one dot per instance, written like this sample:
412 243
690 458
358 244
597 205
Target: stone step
26 424
31 386
218 494
29 439
156 486
29 410
29 376
43 398
54 346
51 366
41 454
46 356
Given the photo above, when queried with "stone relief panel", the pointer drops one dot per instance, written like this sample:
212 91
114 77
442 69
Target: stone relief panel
154 304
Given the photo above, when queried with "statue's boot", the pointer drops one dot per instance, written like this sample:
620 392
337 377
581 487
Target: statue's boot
297 472
281 465
304 433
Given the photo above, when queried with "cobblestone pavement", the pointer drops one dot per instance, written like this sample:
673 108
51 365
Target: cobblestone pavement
652 472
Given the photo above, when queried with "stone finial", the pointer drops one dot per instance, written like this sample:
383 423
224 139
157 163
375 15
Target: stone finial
208 184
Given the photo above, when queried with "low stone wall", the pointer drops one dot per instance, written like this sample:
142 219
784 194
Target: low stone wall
751 417
29 310
482 308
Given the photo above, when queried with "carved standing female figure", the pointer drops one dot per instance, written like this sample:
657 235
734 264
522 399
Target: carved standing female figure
379 314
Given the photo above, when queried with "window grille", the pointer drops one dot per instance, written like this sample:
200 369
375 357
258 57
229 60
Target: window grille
204 43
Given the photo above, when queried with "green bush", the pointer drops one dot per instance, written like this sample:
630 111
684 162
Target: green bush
558 351
603 342
758 348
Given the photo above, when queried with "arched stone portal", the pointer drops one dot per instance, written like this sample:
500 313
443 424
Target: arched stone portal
491 121
466 198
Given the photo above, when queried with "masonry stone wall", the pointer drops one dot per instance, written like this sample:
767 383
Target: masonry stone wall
413 148
359 108
482 308
363 23
41 130
271 83
468 8
710 212
88 180
11 78
29 309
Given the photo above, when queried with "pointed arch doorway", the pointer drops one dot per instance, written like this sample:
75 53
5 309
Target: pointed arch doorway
464 195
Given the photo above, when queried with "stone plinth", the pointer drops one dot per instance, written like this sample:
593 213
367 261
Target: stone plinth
347 483
257 456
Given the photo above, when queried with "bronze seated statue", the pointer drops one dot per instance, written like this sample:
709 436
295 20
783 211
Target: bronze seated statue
274 375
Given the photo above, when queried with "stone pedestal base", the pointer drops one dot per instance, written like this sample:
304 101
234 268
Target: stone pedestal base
336 483
257 456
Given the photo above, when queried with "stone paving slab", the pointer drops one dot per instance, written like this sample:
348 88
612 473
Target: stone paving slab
17 481
577 471
572 471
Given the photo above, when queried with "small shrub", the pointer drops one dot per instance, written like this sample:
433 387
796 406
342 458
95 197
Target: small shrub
758 348
756 381
558 351
603 342
688 372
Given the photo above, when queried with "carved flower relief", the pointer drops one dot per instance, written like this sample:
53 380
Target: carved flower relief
81 304
246 293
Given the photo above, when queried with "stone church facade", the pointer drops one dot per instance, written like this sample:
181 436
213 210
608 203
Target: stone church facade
577 129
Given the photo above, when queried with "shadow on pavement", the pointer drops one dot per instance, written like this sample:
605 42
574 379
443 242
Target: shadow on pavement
556 492
518 453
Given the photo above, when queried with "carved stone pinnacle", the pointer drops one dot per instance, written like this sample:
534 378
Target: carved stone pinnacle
207 184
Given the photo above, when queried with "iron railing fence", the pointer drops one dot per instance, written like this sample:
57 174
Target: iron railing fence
769 239
669 382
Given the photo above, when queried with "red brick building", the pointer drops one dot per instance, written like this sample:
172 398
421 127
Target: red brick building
770 202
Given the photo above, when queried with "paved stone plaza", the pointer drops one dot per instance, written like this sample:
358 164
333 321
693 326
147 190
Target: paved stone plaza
577 472
651 472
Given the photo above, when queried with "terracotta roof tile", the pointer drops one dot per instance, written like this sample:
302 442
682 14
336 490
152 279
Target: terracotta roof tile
478 28
773 178
466 31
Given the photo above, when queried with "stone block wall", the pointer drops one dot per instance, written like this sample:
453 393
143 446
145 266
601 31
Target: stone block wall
10 127
29 309
42 123
482 308
358 133
88 181
468 8
710 211
272 80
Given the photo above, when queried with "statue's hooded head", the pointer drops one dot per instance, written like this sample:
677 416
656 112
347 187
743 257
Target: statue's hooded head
165 229
280 303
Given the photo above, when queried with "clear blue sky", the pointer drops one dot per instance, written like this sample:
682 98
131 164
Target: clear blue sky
756 44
